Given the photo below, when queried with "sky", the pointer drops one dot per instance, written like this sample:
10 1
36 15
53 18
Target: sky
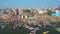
29 3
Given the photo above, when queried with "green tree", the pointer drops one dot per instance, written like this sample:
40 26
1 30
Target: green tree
27 11
49 12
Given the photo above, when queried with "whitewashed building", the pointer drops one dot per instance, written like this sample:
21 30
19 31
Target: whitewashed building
41 11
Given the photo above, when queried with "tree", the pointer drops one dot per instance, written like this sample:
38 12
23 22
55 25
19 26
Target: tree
27 10
49 12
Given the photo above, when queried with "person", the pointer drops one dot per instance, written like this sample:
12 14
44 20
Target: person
17 12
20 25
2 26
46 32
32 32
30 28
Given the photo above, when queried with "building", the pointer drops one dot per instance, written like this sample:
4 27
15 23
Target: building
41 11
57 12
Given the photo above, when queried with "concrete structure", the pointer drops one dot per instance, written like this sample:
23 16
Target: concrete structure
57 13
41 11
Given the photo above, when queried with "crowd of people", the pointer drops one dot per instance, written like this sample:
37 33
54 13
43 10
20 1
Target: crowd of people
14 20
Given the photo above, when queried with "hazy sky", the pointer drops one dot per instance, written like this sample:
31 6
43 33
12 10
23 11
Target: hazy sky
28 3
